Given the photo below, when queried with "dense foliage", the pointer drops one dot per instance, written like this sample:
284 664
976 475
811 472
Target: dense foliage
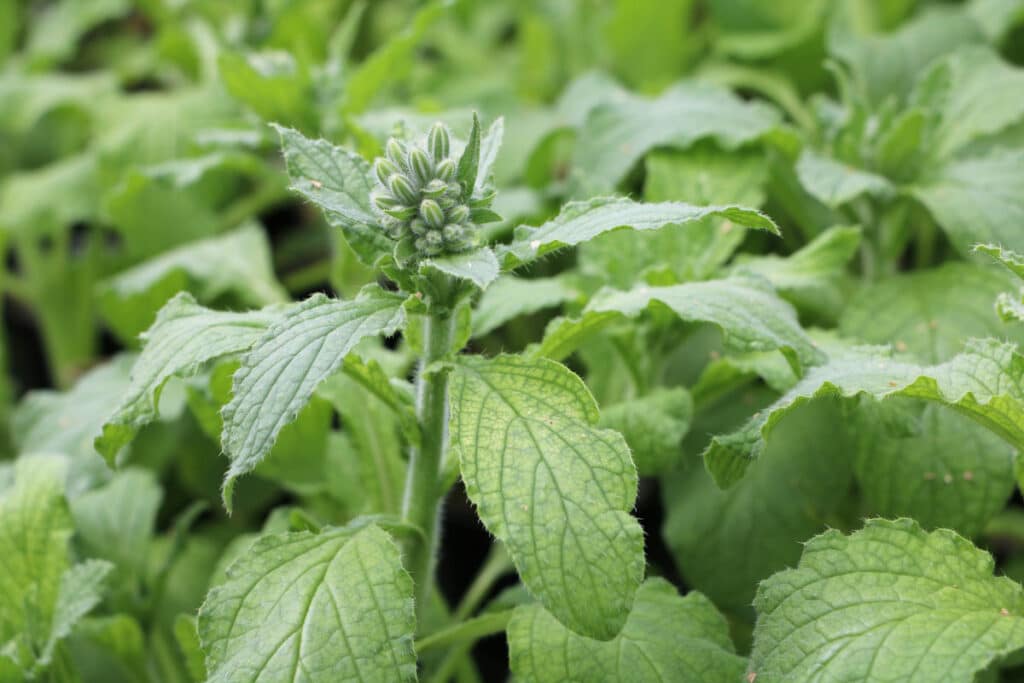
626 340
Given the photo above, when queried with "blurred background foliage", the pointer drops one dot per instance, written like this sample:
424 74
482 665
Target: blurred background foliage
135 162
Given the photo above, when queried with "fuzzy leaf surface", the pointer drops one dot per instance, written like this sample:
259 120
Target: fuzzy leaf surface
552 486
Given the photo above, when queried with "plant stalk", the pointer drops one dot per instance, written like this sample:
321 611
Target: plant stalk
421 502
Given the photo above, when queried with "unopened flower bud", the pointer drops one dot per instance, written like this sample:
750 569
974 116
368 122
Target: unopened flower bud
383 200
421 165
384 170
395 151
431 213
458 214
453 233
445 170
402 188
435 188
418 227
438 142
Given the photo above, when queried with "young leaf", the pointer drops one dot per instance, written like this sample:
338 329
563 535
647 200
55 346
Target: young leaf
510 297
339 182
887 602
333 606
582 221
978 199
750 315
1013 261
537 468
237 263
279 374
616 135
984 382
490 144
666 638
834 183
469 162
81 589
184 338
479 267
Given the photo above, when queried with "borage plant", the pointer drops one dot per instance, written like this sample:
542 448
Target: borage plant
550 479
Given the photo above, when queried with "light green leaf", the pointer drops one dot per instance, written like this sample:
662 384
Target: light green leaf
536 467
654 426
1011 259
34 530
335 606
183 340
701 175
985 382
810 277
81 589
490 145
726 542
272 84
510 297
618 134
396 394
978 199
563 335
889 602
186 635
949 473
479 267
339 182
929 312
582 221
666 638
834 183
237 263
279 374
886 65
750 315
115 522
650 40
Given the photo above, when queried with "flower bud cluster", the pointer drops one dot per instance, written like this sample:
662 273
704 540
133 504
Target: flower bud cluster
419 199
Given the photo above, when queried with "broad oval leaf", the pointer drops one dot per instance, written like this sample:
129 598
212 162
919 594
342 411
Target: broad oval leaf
283 369
184 338
667 638
327 607
889 602
582 221
553 487
985 382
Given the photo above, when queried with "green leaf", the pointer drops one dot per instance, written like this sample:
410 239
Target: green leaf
834 183
237 263
469 162
536 467
887 602
186 634
929 312
116 521
984 382
279 374
887 65
726 542
490 145
335 606
812 276
272 84
701 175
650 40
949 473
654 426
978 199
184 339
34 530
972 94
510 297
339 182
479 267
1013 261
81 589
750 315
666 638
618 134
582 221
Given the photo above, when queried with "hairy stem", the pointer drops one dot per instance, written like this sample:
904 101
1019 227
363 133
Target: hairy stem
496 566
468 631
420 505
